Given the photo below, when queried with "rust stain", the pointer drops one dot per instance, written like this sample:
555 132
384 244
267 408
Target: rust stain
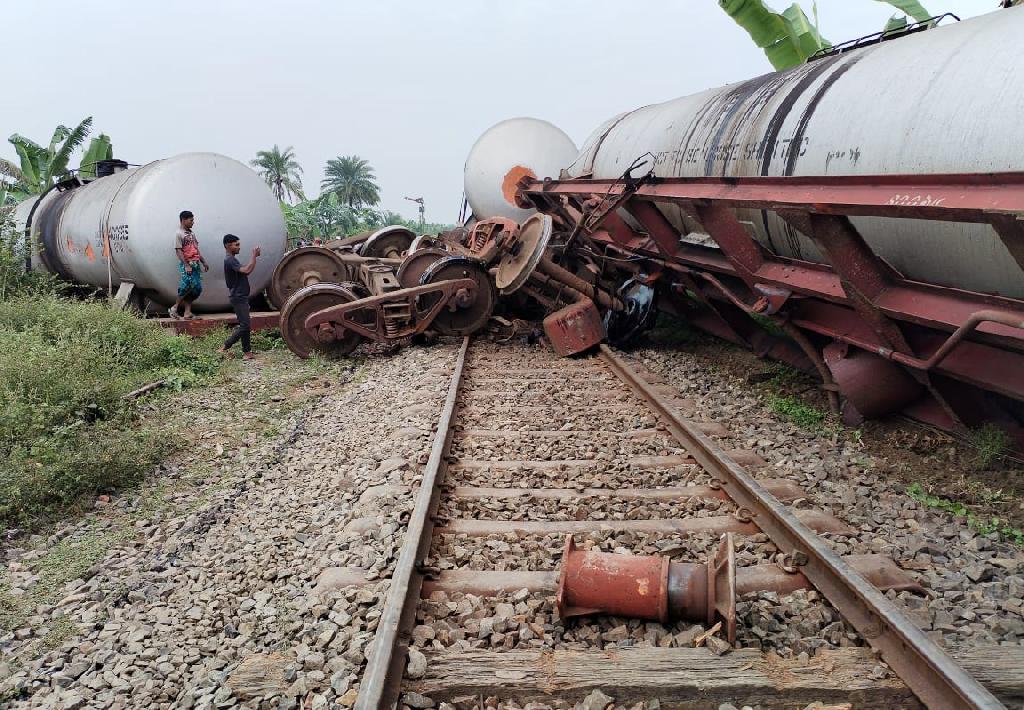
643 586
512 178
89 253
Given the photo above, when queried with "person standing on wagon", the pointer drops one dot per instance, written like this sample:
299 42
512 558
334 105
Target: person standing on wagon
236 276
190 285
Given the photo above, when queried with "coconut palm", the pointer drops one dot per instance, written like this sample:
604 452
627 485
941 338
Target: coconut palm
281 172
41 167
351 178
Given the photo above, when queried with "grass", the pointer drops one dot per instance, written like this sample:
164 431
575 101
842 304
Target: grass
985 525
800 413
66 429
990 444
671 331
62 563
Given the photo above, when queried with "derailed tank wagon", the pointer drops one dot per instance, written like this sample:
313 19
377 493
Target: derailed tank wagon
119 228
868 203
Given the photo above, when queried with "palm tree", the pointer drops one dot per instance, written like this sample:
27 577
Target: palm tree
281 171
351 179
42 167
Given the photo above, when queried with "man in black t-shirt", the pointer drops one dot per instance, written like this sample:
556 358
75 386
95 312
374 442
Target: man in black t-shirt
236 277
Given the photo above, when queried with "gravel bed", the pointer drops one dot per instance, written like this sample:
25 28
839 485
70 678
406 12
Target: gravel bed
976 581
510 551
591 508
243 600
610 475
611 449
555 417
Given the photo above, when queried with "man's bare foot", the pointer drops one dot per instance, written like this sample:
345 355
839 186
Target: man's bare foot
249 356
224 352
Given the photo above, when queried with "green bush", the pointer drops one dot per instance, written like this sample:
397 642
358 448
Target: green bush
66 428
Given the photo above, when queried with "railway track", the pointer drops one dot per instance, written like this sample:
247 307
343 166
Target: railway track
541 463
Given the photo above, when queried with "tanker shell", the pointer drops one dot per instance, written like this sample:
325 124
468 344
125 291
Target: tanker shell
507 152
945 100
122 227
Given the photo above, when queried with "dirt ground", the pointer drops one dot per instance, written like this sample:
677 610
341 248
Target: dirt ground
941 464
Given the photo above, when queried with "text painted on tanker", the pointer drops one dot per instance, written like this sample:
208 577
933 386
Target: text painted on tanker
916 200
118 239
729 152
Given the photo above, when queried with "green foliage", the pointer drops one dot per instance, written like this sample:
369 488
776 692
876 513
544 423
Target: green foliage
270 339
909 8
769 325
990 443
789 38
66 428
986 525
326 217
803 415
351 178
14 278
671 331
99 149
42 167
281 172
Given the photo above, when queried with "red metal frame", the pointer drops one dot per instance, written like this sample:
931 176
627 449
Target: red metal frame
857 299
203 324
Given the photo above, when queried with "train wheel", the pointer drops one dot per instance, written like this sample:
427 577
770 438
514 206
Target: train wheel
305 302
388 243
303 267
411 270
467 312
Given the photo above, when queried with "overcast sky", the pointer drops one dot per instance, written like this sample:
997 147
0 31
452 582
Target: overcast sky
406 85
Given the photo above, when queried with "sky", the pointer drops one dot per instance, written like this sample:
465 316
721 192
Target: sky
408 86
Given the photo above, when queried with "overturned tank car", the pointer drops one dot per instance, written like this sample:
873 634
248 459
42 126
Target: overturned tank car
866 207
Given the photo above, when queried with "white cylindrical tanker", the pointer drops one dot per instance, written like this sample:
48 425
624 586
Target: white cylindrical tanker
945 100
139 210
507 152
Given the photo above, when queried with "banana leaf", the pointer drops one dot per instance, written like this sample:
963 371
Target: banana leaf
787 38
909 7
99 149
896 23
804 34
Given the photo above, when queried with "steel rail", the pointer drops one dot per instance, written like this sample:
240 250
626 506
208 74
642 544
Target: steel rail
381 681
927 670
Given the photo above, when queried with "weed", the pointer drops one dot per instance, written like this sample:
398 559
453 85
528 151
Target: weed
60 631
270 339
671 331
65 427
68 560
800 413
768 325
982 524
990 444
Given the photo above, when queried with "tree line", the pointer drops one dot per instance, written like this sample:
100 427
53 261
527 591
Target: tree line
347 203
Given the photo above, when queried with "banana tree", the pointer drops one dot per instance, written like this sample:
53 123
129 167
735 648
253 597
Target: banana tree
788 38
99 149
40 167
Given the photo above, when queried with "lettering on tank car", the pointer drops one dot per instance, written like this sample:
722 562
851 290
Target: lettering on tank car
118 239
850 154
901 200
731 152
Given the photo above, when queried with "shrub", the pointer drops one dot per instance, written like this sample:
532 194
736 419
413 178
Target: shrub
66 428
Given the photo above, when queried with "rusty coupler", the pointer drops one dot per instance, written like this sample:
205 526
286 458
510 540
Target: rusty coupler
648 587
655 588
